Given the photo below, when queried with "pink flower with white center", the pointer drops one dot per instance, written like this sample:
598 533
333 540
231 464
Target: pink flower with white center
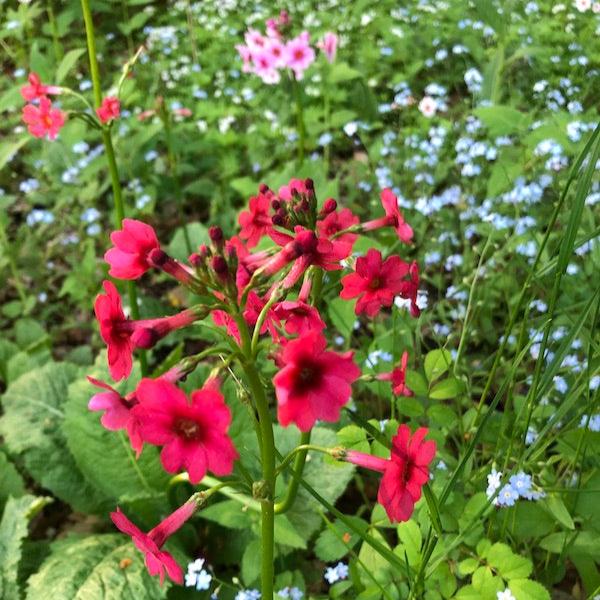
193 433
265 67
329 45
583 5
157 561
109 110
428 106
299 54
36 89
43 120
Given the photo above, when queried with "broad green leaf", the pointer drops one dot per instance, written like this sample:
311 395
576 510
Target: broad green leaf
67 63
409 535
341 71
467 566
525 589
251 562
105 457
502 120
228 513
508 564
11 482
9 148
336 539
353 437
13 529
450 387
286 534
32 428
97 567
558 509
198 234
437 362
341 313
492 76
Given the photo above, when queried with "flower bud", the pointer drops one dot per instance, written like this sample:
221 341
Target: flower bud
220 266
329 206
216 234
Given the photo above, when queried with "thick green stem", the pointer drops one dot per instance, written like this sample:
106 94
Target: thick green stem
292 490
119 213
299 120
267 450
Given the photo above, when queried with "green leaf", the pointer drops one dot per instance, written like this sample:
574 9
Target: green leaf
105 457
198 234
468 592
558 509
9 148
32 428
353 437
251 562
448 388
409 535
335 541
508 564
525 589
341 71
286 534
11 482
492 76
97 567
67 63
13 529
502 120
437 362
341 313
467 566
228 513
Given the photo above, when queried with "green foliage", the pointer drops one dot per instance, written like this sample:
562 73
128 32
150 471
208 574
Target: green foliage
97 567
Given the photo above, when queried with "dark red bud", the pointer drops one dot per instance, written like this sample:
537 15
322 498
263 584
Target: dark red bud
277 219
304 206
195 260
215 233
219 265
329 206
310 184
275 204
263 188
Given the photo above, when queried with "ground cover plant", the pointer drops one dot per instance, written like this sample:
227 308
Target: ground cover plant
299 301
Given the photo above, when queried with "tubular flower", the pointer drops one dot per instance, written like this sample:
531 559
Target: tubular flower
404 473
329 45
193 433
305 249
256 222
117 409
157 561
398 378
136 250
314 383
300 318
337 221
410 289
36 90
393 218
376 282
123 335
43 120
109 110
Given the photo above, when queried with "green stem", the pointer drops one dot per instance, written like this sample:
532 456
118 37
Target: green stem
301 452
267 449
110 153
299 119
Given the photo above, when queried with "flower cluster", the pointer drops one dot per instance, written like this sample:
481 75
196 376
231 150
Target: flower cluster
267 55
337 573
519 485
271 294
42 119
45 120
